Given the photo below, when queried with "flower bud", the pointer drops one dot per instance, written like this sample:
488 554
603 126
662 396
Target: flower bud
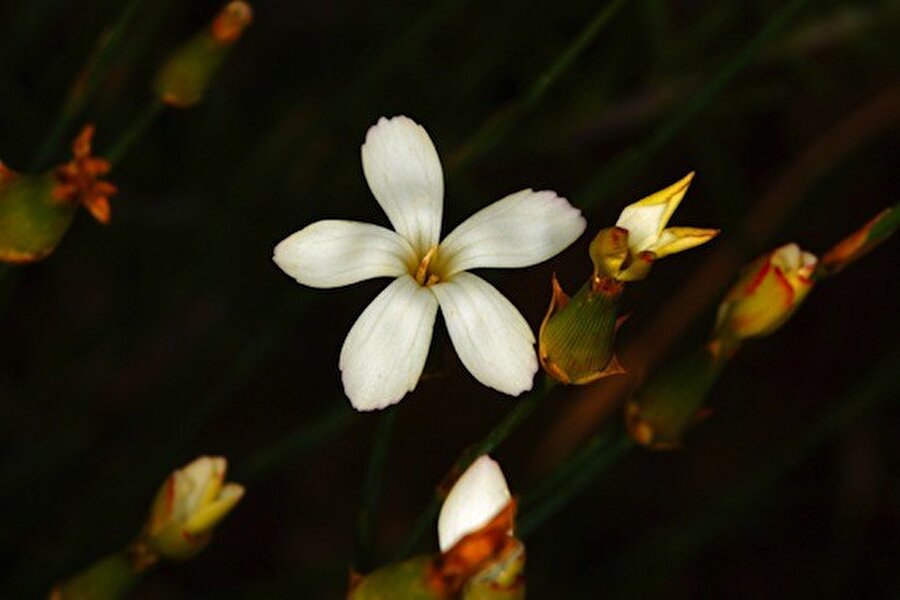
187 508
860 242
479 559
627 251
666 406
577 335
768 291
36 211
185 76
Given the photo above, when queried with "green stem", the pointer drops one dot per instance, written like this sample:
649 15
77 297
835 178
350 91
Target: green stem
109 578
603 451
561 473
94 73
135 131
498 127
266 461
667 548
609 180
371 491
7 285
513 419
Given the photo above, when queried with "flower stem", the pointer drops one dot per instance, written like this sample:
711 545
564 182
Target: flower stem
498 127
308 435
371 492
135 131
607 181
603 451
661 552
109 578
93 74
496 436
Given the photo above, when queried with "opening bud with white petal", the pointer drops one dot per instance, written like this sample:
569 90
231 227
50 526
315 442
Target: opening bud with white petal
476 497
627 251
767 292
187 508
479 558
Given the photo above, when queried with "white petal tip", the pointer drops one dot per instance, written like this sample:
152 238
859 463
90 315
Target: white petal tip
476 497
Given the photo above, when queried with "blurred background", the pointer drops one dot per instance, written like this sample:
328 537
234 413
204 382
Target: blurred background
170 333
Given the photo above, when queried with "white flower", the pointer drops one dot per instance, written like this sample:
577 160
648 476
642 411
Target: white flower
385 351
473 501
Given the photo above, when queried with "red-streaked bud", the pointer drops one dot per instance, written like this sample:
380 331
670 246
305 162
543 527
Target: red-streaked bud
766 294
183 79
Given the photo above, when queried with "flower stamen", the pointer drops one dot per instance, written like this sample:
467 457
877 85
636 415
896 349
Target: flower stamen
423 276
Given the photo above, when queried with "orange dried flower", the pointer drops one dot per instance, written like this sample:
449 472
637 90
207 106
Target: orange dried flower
80 180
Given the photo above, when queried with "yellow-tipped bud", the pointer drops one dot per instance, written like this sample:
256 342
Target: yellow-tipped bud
185 76
36 211
187 508
577 335
768 291
627 251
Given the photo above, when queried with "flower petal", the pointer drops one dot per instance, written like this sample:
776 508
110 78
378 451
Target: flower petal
404 174
646 218
385 351
476 497
679 239
330 254
519 230
492 339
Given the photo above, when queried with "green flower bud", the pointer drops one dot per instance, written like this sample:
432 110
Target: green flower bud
577 335
185 76
32 221
407 579
672 399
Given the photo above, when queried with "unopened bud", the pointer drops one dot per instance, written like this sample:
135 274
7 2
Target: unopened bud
768 291
479 560
671 401
577 335
860 242
187 508
183 79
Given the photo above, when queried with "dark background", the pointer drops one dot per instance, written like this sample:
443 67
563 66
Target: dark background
170 333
